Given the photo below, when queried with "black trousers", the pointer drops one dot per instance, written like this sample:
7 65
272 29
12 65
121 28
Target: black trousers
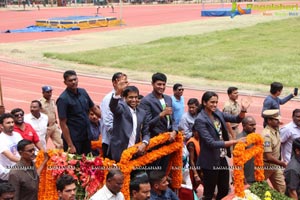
216 177
83 147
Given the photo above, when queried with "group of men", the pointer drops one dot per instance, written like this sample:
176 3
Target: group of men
123 119
281 145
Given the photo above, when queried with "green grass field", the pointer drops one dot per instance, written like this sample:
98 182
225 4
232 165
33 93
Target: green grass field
262 54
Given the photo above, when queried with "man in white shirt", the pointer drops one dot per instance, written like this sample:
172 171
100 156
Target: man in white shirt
107 116
188 119
38 120
8 142
288 134
112 188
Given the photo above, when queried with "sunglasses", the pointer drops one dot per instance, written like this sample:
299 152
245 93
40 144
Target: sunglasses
19 115
181 89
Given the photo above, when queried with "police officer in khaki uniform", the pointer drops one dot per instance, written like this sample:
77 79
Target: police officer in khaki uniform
49 108
232 107
273 165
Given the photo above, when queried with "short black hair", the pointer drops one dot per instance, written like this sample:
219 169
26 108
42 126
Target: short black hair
156 176
38 102
296 111
275 87
176 86
128 89
231 89
69 73
117 75
5 116
193 101
296 144
22 144
16 110
140 96
140 178
6 187
63 181
159 77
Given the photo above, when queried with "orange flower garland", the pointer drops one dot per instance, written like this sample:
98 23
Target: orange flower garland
127 165
47 181
241 155
47 188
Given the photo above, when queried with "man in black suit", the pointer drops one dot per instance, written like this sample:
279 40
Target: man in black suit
130 123
158 107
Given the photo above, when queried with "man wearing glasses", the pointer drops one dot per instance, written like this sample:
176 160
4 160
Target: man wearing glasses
24 176
25 129
8 144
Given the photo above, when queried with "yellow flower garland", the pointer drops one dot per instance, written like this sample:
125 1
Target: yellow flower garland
241 155
47 181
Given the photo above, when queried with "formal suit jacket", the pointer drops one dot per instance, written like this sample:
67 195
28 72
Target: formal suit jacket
123 127
153 108
210 142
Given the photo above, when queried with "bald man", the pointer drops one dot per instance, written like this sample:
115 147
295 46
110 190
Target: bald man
249 126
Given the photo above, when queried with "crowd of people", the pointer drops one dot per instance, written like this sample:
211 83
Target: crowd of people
125 118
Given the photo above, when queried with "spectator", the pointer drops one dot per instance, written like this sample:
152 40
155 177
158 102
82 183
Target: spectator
38 121
273 101
288 134
188 119
140 97
231 106
140 187
177 102
25 129
214 144
107 116
292 172
130 123
7 191
158 107
112 188
24 176
66 187
193 145
159 187
49 108
249 126
8 143
95 130
73 107
272 160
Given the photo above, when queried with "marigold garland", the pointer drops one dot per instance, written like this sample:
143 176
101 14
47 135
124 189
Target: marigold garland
47 181
241 155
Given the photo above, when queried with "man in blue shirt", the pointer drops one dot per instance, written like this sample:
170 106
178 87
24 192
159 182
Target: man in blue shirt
73 107
273 101
159 187
177 102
